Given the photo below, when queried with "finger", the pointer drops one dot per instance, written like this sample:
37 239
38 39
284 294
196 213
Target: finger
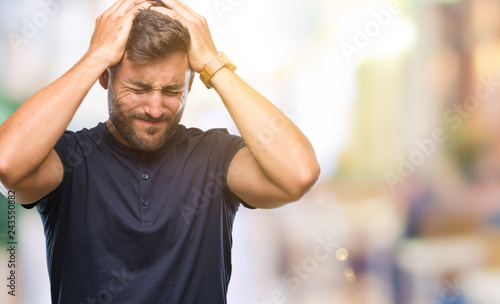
142 6
186 7
128 5
118 6
170 13
112 8
182 9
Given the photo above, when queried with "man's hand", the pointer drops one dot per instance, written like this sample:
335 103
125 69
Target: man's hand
28 162
113 27
202 46
276 172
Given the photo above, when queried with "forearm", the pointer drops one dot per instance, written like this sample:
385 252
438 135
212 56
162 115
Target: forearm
30 133
282 151
279 162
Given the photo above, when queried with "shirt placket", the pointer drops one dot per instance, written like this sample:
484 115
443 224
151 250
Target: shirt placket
145 202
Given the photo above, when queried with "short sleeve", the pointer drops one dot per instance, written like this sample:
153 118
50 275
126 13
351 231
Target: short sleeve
231 144
62 148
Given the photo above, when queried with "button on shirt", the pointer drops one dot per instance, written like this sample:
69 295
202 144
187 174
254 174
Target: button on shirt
140 227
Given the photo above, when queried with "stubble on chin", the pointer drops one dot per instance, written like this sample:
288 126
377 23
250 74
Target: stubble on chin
154 138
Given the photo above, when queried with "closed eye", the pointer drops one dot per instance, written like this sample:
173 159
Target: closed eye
173 93
137 87
139 91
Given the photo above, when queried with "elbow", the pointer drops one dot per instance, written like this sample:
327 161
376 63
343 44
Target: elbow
3 174
305 181
309 178
6 176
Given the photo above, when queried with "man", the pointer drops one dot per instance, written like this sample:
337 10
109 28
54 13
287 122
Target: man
140 209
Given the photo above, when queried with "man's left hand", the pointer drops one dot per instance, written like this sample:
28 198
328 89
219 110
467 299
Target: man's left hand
202 46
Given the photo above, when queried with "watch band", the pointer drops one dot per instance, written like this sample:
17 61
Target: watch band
213 66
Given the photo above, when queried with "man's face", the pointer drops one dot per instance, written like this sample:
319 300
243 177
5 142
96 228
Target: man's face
146 101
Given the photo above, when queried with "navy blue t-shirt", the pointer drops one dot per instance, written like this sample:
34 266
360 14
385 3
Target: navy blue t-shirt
126 226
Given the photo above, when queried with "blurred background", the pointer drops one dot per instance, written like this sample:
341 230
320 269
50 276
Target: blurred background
400 100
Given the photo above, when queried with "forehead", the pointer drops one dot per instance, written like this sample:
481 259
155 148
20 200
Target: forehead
161 72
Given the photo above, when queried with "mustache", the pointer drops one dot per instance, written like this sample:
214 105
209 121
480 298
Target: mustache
147 117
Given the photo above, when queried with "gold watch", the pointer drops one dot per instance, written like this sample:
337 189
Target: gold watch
213 66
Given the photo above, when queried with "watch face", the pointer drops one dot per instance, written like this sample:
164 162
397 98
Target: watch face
204 79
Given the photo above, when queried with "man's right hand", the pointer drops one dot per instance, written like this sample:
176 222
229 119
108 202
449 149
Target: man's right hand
112 29
28 162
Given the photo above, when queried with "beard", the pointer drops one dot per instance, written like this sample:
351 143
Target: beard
155 138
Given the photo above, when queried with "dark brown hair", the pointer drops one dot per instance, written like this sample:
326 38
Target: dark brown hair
154 35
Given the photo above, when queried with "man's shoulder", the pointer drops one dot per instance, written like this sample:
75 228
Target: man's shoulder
83 141
206 140
194 131
100 128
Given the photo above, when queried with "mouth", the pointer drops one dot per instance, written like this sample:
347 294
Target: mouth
151 123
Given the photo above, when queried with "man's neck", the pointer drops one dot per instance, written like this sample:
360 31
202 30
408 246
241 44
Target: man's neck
117 135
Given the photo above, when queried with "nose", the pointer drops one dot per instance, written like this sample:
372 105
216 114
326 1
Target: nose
154 105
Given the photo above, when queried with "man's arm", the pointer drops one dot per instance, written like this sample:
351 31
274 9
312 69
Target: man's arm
278 165
28 163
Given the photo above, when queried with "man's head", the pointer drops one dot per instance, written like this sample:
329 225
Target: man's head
147 90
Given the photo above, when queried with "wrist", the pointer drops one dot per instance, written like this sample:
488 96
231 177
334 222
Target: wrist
211 68
92 65
98 59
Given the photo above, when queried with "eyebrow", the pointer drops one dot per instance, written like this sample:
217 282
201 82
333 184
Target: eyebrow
173 87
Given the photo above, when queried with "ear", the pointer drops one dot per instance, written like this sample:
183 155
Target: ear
104 79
